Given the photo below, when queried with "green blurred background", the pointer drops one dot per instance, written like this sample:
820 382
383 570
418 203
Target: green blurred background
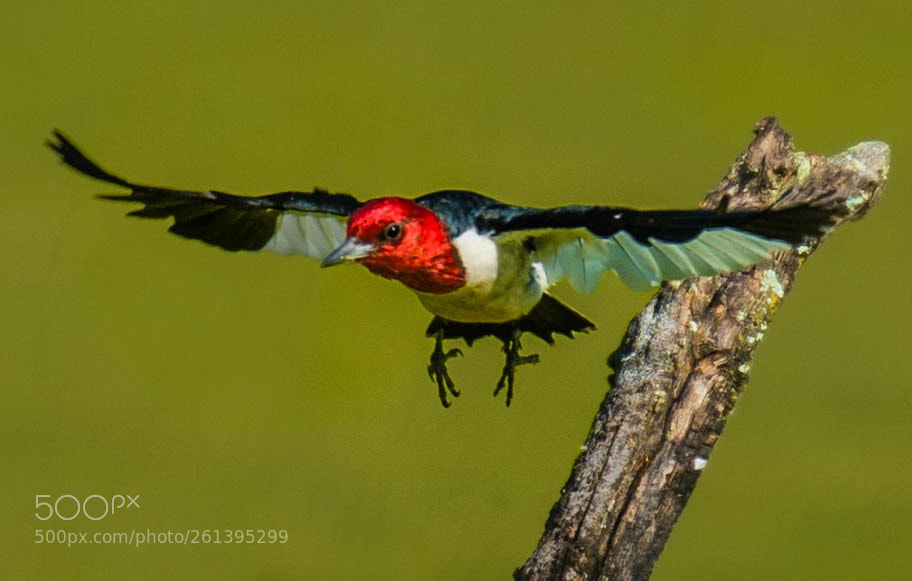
258 392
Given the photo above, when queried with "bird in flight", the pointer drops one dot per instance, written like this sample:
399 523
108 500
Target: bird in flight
480 266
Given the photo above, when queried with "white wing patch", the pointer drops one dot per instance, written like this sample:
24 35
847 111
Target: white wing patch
583 258
539 276
313 235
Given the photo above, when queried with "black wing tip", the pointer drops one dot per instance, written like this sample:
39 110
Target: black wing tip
116 197
71 155
794 224
60 143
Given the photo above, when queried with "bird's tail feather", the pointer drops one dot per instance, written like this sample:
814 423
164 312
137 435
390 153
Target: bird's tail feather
549 316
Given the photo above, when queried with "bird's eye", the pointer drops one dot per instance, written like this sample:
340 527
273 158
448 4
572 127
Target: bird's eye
392 232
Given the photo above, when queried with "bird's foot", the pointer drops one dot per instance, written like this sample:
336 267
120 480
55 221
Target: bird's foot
437 370
514 360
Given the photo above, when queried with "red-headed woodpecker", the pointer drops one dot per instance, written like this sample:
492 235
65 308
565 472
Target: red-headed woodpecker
480 266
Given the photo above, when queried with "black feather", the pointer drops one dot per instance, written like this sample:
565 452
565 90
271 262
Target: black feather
225 220
792 224
459 208
549 316
73 157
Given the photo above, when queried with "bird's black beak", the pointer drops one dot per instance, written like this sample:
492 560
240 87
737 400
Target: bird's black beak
349 251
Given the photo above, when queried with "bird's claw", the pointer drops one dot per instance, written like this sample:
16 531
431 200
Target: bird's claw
437 371
514 360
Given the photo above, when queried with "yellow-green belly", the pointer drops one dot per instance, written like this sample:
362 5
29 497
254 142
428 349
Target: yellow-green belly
512 294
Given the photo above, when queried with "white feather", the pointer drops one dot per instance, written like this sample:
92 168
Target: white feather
313 235
478 254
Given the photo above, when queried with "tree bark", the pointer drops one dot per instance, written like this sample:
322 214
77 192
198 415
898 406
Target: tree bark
682 366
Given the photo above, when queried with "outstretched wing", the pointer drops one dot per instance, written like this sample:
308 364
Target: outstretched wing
308 223
580 243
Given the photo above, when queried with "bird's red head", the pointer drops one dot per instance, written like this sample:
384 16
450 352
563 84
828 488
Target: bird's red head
400 239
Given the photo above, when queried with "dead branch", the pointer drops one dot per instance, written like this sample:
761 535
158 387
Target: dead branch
680 369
